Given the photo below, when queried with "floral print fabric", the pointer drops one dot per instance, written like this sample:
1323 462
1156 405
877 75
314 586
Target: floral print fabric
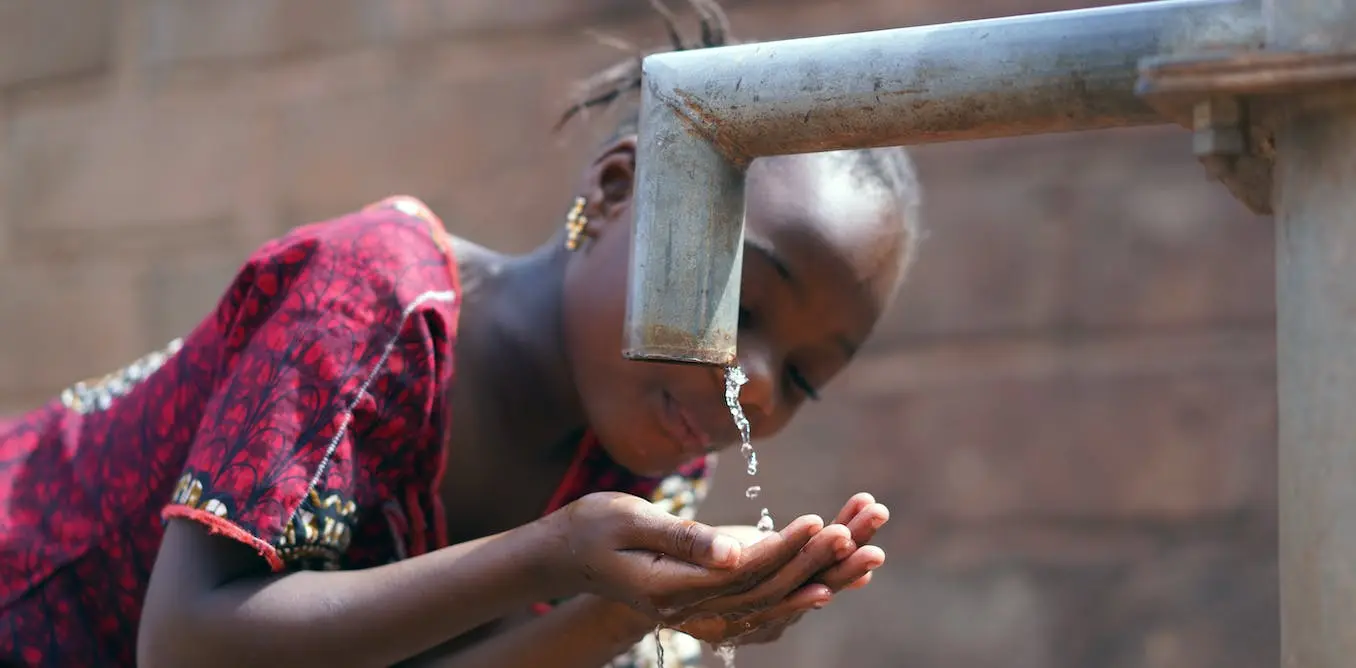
303 418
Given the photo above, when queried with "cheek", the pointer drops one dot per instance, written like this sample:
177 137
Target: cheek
595 303
601 265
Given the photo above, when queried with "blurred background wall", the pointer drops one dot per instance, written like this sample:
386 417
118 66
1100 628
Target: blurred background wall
1070 411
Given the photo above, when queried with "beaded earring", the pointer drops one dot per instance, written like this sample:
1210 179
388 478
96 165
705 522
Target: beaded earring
576 224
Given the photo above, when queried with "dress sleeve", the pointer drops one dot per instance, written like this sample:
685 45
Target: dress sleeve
314 348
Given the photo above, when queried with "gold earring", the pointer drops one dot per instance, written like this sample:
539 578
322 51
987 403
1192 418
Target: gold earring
576 224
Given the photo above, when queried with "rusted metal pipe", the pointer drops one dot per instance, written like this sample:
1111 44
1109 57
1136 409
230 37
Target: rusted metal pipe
1315 205
687 247
707 113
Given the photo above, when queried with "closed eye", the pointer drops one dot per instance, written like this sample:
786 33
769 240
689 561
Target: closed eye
799 381
747 322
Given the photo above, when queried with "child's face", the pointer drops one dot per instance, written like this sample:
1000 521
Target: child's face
821 257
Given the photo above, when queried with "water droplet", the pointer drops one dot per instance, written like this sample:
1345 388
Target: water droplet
765 521
752 492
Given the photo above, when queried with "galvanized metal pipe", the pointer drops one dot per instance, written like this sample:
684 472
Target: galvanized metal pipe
687 246
1315 206
706 113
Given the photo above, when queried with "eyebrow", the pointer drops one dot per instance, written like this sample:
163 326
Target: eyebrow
770 255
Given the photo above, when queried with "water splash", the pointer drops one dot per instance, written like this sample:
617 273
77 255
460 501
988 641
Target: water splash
765 522
727 655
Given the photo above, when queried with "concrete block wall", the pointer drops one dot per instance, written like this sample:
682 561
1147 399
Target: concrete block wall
1070 410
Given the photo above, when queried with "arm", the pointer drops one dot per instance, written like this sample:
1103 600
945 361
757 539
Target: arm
323 370
585 632
588 632
208 605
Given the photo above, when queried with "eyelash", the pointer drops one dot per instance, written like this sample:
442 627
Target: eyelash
797 378
799 381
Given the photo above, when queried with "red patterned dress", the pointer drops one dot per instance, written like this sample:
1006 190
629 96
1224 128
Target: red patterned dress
304 417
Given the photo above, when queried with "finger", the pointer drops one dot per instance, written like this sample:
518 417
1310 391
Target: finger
684 540
808 597
746 535
790 610
865 525
859 583
757 563
764 557
858 565
853 507
769 625
867 522
830 545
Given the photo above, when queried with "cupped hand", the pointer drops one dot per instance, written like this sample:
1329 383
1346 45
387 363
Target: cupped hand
846 563
624 548
863 517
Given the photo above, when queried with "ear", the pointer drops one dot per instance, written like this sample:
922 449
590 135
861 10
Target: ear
609 181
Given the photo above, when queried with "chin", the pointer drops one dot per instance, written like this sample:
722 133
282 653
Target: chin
646 467
650 465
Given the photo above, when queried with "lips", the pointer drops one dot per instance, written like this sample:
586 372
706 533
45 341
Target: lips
681 426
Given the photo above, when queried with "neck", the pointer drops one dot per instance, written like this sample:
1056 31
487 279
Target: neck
513 381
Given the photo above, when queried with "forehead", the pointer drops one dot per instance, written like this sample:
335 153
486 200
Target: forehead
822 213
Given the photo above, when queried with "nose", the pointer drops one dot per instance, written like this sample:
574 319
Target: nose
759 396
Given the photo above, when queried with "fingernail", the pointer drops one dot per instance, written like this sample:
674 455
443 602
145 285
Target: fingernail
723 549
843 550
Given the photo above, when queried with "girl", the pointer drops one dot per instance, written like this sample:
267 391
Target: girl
386 443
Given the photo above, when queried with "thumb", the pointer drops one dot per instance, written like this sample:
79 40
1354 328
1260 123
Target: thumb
685 540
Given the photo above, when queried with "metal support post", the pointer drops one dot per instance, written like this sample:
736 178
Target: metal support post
1315 203
1316 384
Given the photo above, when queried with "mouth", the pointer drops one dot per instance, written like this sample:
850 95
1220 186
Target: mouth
681 426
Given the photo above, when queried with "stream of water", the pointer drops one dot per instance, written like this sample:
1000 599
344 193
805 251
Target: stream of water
735 379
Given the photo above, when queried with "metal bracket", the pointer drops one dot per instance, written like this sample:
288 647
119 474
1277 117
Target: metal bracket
1219 96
